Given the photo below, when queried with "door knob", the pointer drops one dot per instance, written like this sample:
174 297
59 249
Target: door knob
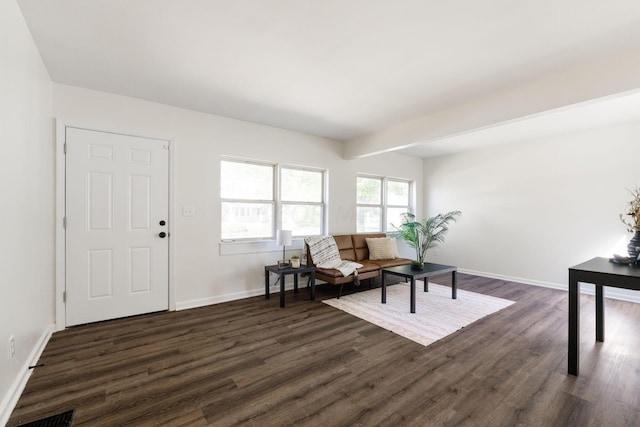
162 234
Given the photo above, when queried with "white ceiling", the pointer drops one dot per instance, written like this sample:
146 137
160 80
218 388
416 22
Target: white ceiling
334 68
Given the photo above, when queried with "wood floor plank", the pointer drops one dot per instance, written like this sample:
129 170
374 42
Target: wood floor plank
251 363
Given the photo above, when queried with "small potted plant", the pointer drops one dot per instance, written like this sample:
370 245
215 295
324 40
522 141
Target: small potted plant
424 235
295 261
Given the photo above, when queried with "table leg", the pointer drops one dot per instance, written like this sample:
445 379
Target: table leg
599 313
574 325
454 285
266 284
313 286
295 283
384 287
282 276
413 294
426 284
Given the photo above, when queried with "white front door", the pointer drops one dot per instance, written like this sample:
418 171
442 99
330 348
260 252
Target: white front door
117 206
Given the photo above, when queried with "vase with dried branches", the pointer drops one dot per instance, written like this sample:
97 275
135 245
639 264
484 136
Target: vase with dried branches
631 218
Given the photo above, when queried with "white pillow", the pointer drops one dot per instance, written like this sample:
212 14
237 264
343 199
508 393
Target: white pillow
382 248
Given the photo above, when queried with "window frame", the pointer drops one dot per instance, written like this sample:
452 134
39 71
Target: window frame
277 203
384 205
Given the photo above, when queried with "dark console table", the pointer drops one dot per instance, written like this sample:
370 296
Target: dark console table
600 272
283 272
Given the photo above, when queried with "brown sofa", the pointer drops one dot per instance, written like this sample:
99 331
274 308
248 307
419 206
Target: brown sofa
353 247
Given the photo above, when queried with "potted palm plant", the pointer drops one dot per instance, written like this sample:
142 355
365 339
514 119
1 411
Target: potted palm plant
426 234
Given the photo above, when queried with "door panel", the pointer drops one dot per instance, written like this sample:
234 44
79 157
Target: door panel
100 201
140 203
140 270
116 196
100 277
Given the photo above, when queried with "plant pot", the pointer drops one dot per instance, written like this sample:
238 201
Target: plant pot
633 246
417 266
295 262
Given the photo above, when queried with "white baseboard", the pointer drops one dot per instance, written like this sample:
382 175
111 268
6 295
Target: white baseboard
11 398
586 288
201 302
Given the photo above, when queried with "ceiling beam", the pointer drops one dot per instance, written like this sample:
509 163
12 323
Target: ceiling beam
616 73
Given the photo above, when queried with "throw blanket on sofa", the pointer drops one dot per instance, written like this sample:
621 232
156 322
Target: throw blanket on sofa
325 254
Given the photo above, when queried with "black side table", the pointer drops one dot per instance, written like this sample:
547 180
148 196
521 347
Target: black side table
282 272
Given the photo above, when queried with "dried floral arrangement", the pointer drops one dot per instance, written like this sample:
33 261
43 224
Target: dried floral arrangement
632 217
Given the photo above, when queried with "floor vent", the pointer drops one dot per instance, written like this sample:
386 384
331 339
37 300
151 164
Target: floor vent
59 420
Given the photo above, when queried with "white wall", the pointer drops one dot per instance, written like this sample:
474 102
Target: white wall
27 200
201 274
531 210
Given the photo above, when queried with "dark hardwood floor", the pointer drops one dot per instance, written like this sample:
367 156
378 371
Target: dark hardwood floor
252 363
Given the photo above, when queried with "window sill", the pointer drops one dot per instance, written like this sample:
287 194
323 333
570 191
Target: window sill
257 246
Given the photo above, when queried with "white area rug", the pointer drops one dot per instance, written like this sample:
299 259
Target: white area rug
436 316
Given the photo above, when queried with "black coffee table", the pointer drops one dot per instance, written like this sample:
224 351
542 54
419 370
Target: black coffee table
430 269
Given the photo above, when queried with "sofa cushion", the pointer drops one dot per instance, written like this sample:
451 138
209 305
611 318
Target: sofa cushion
345 246
341 279
382 248
366 268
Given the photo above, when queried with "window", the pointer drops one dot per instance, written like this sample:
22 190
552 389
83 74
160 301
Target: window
248 204
301 195
398 201
259 198
369 210
381 202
